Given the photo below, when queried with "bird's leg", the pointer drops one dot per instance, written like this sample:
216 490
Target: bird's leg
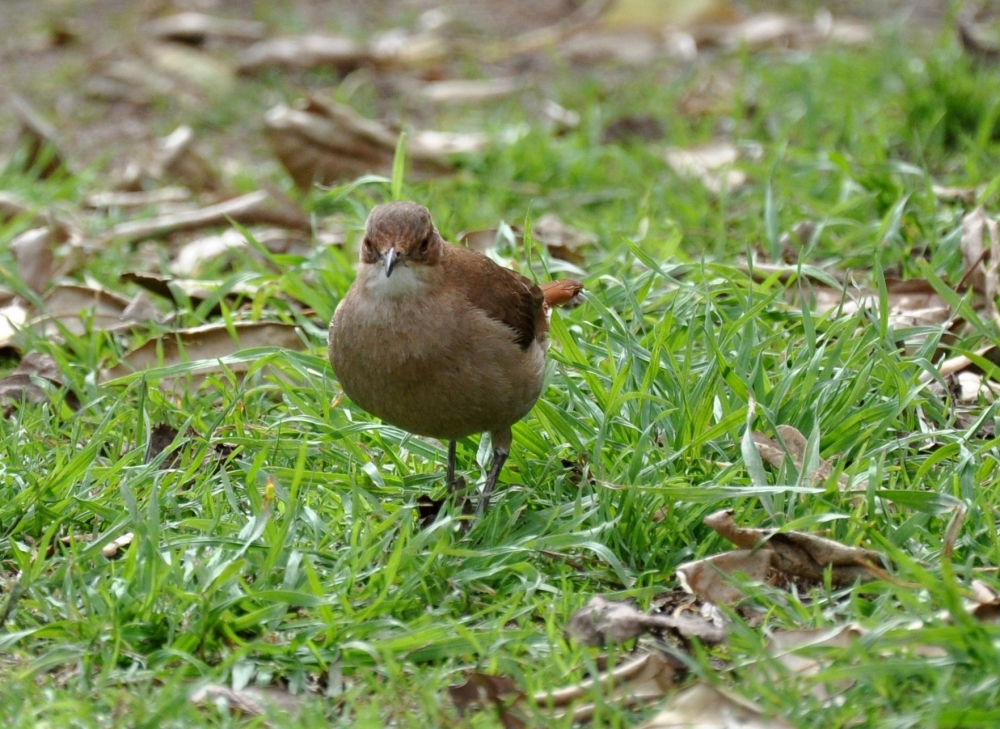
450 479
501 450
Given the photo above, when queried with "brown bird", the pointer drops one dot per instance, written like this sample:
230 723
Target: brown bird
438 339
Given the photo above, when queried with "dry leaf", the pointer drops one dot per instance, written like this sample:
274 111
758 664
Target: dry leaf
325 142
26 383
709 578
174 157
562 241
207 343
179 291
702 706
975 34
601 621
773 30
964 195
468 91
797 554
13 318
303 52
642 128
196 28
12 206
248 701
79 309
138 198
912 303
795 443
40 139
114 548
985 603
711 164
263 206
481 690
787 648
191 67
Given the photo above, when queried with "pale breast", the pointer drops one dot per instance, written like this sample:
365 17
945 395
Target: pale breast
432 364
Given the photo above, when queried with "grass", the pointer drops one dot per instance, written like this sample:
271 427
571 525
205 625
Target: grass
294 557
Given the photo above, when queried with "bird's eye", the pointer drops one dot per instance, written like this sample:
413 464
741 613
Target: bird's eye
367 243
425 244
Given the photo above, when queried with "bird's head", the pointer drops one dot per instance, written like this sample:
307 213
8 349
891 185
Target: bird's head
400 234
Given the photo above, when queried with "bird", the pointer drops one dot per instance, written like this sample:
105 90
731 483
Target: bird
438 339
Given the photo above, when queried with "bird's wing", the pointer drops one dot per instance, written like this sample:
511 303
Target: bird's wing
501 293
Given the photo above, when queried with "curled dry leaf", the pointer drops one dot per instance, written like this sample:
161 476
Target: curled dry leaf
27 383
263 206
639 682
975 34
797 554
137 198
248 701
196 28
176 158
562 240
303 52
603 621
802 652
39 138
711 164
325 142
964 195
985 603
481 691
912 303
710 578
965 378
13 318
702 706
773 30
12 206
177 290
113 549
772 451
468 91
207 343
36 251
78 309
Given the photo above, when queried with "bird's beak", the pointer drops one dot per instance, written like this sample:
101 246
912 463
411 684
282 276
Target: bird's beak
390 261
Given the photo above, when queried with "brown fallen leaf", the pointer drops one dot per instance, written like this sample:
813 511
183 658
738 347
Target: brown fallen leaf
248 701
31 382
325 142
562 240
702 706
303 52
805 652
36 251
985 603
78 309
639 682
467 91
712 164
137 199
175 157
179 291
190 258
710 578
197 28
912 303
643 128
794 448
481 691
797 554
13 206
206 344
39 138
14 317
964 195
264 206
973 28
114 548
774 30
603 621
